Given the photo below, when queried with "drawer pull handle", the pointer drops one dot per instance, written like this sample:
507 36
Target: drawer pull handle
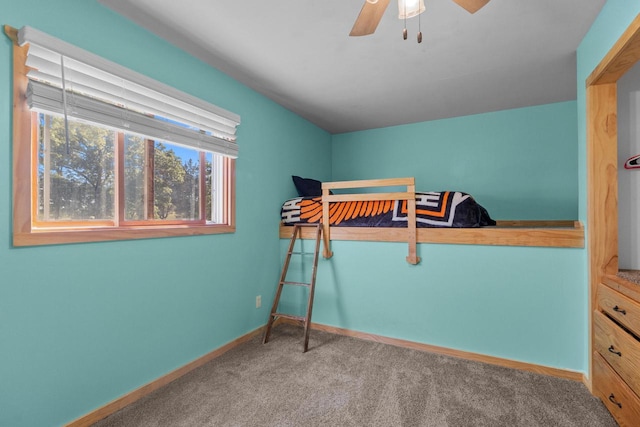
619 310
613 350
613 400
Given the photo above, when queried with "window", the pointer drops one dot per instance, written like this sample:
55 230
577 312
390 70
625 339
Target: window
102 153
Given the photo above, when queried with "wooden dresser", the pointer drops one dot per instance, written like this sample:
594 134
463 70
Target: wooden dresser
616 344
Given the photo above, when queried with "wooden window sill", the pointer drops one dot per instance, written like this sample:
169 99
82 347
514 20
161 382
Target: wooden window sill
52 237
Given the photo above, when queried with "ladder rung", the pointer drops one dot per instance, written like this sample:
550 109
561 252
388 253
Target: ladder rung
302 253
289 316
304 224
295 283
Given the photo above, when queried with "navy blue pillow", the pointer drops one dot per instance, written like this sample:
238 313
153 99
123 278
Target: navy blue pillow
307 187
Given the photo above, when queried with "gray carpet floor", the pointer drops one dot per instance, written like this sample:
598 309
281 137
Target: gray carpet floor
344 381
630 275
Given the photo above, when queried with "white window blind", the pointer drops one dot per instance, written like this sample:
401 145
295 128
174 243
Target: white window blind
67 80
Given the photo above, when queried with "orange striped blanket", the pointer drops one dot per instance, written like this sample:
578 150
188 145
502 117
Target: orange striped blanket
433 209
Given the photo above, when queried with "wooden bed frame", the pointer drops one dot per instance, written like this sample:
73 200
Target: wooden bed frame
554 233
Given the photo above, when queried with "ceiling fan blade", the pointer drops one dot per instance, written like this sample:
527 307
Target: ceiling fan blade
369 17
472 6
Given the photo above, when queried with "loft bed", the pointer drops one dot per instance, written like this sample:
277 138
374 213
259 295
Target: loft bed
409 223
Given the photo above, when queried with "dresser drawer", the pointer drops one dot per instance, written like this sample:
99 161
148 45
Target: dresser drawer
619 348
619 399
619 307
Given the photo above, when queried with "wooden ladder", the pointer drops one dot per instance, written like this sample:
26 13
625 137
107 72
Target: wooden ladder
306 320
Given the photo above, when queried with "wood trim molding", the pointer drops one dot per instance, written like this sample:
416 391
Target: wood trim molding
492 360
127 399
22 188
602 180
561 234
622 56
115 233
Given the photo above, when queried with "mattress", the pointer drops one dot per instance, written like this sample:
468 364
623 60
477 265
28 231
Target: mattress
433 209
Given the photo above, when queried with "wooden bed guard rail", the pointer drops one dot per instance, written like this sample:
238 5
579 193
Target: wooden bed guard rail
553 233
409 195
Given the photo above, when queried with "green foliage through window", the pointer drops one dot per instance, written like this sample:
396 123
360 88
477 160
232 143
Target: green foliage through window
77 177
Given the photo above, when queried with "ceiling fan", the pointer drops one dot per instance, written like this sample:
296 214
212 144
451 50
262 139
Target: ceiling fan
372 12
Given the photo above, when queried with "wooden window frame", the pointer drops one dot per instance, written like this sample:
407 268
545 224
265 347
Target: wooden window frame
25 186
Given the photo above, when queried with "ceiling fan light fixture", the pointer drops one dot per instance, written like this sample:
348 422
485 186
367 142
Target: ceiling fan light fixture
410 8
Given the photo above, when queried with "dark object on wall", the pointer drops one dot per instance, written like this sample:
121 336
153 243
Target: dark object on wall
633 162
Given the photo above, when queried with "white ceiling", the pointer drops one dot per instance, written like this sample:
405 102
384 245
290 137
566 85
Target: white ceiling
510 54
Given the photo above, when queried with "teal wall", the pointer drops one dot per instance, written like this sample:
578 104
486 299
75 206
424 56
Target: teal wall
514 303
519 164
510 302
81 325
